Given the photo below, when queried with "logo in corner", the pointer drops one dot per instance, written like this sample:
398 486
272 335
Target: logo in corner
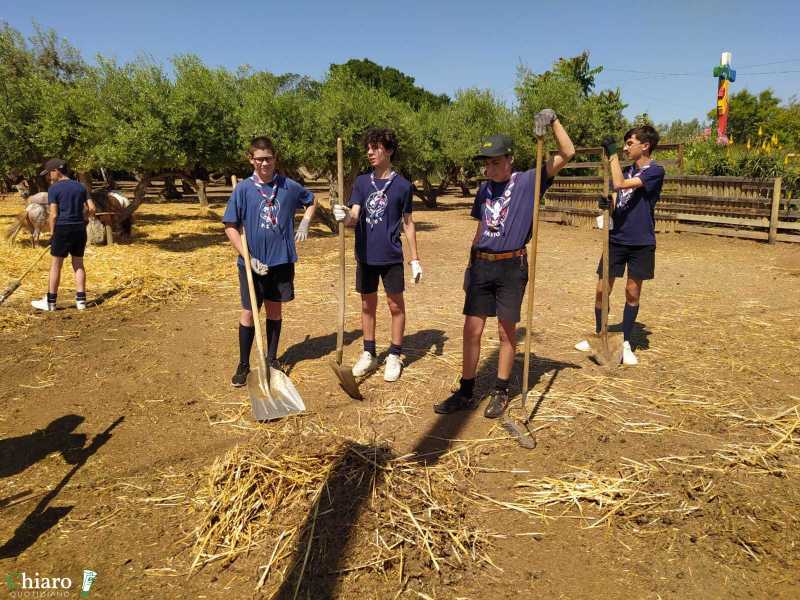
88 579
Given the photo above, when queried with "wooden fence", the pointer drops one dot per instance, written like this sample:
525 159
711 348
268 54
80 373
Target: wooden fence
728 206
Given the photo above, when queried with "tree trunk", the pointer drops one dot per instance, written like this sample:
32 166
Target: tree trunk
202 197
170 192
142 181
463 184
186 185
430 193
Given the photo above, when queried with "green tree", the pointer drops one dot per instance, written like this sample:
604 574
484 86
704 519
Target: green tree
679 131
205 124
394 82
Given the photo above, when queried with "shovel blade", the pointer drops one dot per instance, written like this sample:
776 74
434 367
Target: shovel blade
346 380
521 433
275 399
606 351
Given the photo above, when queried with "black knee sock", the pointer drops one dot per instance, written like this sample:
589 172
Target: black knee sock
273 337
51 298
369 346
80 296
246 336
395 349
628 319
598 319
467 387
501 384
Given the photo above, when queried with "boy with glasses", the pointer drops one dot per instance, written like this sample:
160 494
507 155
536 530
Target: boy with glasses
264 204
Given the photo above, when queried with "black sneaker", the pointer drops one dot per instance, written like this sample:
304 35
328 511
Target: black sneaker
498 402
456 402
240 377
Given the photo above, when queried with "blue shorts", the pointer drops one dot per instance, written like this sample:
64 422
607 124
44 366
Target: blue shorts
276 286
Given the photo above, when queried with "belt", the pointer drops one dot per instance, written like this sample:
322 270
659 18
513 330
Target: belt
500 255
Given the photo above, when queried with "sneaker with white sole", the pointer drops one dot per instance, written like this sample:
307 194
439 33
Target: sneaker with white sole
628 357
43 304
583 346
392 368
80 304
366 363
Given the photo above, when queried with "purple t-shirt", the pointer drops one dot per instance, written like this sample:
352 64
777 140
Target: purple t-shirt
634 213
378 228
266 211
505 210
70 196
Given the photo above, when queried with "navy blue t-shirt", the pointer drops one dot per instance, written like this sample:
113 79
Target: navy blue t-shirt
268 220
378 228
506 212
634 222
70 196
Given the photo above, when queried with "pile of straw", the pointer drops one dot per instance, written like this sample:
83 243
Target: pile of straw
320 506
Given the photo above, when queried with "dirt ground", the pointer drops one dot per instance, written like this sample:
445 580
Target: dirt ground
111 418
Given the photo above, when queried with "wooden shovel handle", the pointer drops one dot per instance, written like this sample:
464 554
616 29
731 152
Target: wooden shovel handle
340 200
537 197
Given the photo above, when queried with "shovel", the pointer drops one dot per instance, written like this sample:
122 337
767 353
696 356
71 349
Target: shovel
522 433
343 374
605 349
14 284
272 393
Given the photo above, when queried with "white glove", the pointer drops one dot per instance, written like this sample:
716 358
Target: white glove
416 271
339 212
258 267
302 230
542 121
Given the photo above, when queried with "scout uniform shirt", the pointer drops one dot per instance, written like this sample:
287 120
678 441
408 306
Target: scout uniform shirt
266 211
633 220
383 203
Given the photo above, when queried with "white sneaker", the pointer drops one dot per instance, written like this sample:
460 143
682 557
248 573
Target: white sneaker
43 304
392 368
583 346
366 363
628 357
80 304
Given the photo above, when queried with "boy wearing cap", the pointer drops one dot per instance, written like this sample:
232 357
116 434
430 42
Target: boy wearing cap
264 205
632 239
498 271
379 205
67 200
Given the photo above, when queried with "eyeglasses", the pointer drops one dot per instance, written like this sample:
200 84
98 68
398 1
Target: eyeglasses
263 159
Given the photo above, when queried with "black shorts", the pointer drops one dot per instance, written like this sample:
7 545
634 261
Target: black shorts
641 261
367 278
276 286
496 288
68 240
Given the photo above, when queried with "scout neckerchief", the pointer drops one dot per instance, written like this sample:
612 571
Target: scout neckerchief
377 201
495 212
269 200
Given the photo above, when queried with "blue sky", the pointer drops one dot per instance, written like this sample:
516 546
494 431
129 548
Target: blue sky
659 54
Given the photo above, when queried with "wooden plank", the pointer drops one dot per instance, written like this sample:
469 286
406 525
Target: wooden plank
723 231
789 225
787 237
776 205
720 220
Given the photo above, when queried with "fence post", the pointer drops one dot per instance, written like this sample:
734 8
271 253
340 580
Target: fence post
773 217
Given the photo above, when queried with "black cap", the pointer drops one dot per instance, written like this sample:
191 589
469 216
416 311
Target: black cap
496 145
52 164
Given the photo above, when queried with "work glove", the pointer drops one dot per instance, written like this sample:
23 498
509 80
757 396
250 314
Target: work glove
610 146
543 120
416 271
340 212
259 268
603 202
302 230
